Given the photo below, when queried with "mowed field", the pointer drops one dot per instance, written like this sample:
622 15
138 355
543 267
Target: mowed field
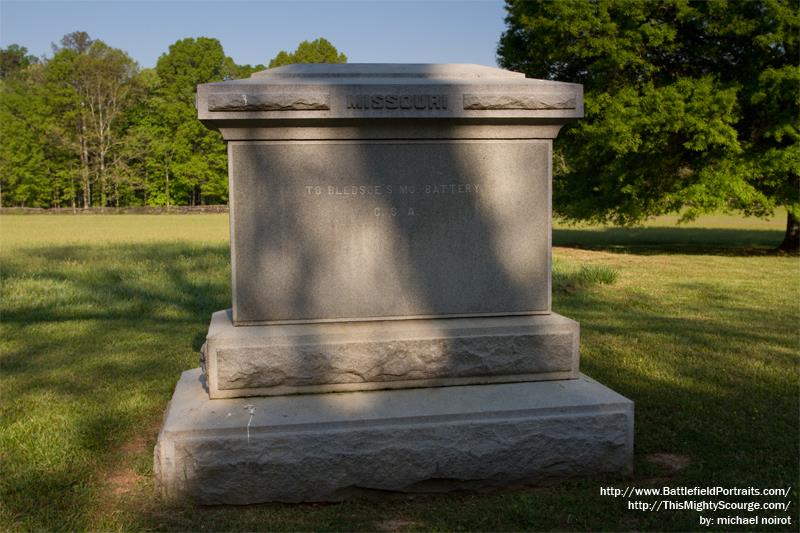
100 314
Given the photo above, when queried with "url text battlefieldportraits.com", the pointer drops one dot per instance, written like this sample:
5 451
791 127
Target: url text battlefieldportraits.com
731 506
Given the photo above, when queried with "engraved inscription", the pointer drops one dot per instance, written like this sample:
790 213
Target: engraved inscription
395 211
377 190
410 191
268 102
518 101
397 101
479 210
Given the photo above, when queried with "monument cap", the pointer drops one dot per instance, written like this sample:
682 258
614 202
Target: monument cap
387 90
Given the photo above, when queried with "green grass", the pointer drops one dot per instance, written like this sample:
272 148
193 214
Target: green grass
707 234
569 276
100 314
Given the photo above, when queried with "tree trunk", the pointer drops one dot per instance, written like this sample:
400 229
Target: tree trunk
103 189
87 185
102 175
791 240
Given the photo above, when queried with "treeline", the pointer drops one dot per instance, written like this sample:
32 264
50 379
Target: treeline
691 106
88 128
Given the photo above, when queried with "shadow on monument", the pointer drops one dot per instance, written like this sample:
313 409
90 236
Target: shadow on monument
435 242
426 244
453 232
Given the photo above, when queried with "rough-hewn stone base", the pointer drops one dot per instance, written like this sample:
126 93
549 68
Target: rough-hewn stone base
325 447
333 357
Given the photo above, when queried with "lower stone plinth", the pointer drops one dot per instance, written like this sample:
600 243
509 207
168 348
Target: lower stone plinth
276 360
328 447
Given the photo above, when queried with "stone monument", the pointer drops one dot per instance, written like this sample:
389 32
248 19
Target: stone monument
391 327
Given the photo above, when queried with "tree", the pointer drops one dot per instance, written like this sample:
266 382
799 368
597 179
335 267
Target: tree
23 176
23 157
691 105
14 59
78 41
317 51
87 127
194 157
106 80
37 166
90 83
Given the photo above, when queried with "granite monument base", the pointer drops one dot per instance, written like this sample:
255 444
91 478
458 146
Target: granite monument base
274 360
335 446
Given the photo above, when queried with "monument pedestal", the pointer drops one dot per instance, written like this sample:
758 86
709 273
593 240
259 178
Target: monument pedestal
272 360
328 447
391 325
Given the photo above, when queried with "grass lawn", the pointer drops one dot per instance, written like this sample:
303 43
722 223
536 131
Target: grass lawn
100 314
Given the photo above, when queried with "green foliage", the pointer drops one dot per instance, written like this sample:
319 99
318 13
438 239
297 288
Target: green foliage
570 277
690 105
36 165
176 159
22 156
89 86
190 62
77 41
191 156
317 51
13 59
86 127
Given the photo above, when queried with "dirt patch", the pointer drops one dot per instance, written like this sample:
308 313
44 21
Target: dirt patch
395 525
126 490
671 462
122 477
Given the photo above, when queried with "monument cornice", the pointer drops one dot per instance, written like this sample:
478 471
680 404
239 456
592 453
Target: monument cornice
357 91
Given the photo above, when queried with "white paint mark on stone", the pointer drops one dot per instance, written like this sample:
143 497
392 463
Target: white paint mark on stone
251 409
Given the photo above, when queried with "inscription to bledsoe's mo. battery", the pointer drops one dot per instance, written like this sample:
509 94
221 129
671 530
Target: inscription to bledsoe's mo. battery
378 190
397 101
409 191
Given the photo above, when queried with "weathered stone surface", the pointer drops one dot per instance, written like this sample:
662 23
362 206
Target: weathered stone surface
391 90
329 230
390 228
267 102
349 203
329 357
335 446
382 130
402 72
518 101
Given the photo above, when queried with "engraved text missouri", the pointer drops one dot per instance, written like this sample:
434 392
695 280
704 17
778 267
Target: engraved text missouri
397 101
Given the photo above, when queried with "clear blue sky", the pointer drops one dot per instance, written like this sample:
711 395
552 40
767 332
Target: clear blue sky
254 31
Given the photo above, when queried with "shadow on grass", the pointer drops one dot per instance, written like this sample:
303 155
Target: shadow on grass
94 339
711 378
677 240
